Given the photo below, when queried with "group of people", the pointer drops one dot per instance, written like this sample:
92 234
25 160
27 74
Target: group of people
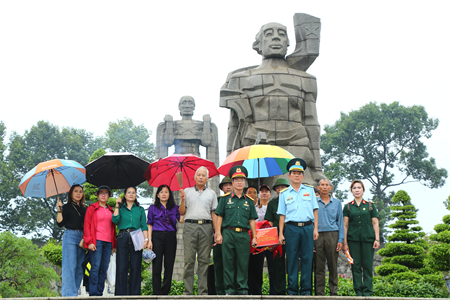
310 228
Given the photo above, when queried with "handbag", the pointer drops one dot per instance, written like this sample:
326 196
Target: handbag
82 245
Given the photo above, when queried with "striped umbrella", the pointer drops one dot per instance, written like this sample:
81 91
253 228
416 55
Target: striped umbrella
260 160
52 178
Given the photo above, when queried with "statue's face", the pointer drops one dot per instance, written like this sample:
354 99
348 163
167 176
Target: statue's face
187 106
274 40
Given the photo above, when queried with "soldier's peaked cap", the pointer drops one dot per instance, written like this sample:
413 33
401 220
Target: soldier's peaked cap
296 164
238 171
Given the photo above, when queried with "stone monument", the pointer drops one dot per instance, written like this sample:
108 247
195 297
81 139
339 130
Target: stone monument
278 97
187 135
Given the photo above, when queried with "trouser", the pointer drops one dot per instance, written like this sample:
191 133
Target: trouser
326 250
211 281
255 273
218 269
269 257
235 252
99 265
197 240
72 258
362 268
279 272
127 260
165 247
299 243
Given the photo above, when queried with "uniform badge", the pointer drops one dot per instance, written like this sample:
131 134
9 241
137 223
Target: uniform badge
364 208
297 163
245 204
238 170
289 198
306 195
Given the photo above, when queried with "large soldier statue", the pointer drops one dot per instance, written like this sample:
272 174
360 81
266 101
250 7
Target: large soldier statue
187 135
278 97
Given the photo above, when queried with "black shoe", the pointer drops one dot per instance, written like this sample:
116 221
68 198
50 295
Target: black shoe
244 293
229 294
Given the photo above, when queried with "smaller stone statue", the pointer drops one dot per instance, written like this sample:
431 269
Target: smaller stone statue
188 135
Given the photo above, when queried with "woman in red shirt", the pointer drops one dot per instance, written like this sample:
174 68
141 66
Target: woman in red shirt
100 237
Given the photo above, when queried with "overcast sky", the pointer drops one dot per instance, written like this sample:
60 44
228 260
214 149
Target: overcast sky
84 64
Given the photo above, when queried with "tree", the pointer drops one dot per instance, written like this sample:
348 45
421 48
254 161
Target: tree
439 254
22 270
447 203
44 141
406 246
377 140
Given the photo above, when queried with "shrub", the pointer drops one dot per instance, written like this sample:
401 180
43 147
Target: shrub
387 269
53 252
408 276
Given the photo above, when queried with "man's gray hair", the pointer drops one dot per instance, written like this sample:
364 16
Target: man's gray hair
324 178
206 170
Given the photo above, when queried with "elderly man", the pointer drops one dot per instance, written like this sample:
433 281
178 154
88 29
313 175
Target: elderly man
279 262
297 208
331 237
200 203
227 187
236 215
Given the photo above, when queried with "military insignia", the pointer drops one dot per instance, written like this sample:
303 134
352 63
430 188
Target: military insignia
289 198
224 195
308 185
306 195
284 189
364 208
249 197
297 163
238 170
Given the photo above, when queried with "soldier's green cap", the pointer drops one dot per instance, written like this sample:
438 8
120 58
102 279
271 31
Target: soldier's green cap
226 179
238 171
296 164
280 181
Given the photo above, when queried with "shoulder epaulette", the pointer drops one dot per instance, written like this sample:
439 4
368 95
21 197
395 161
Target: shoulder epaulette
308 185
249 197
284 189
225 194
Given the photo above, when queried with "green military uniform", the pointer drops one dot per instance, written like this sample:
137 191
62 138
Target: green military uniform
360 239
236 213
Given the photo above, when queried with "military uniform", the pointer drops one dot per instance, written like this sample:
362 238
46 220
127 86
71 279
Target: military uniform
279 263
360 239
298 208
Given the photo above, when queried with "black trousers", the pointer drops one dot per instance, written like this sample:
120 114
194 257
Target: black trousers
255 273
165 248
127 259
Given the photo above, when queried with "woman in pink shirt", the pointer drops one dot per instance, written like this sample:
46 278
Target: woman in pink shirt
100 236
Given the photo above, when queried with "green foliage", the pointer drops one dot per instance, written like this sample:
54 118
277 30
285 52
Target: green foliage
408 276
441 227
176 288
447 203
386 269
446 219
402 197
53 252
22 271
376 141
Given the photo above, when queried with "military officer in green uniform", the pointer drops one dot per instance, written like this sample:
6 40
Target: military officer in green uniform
236 215
279 263
226 187
362 237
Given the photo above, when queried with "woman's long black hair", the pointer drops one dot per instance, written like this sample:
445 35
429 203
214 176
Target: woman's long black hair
124 200
170 202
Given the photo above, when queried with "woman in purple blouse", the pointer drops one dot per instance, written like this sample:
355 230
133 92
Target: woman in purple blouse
162 229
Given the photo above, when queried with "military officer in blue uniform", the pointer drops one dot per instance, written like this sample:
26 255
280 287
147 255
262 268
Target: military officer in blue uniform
298 210
236 215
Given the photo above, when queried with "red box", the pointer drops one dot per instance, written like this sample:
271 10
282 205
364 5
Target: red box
267 237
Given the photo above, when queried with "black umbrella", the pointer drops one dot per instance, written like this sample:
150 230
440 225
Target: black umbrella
116 170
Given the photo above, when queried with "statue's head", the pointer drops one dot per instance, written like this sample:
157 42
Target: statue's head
186 106
272 41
